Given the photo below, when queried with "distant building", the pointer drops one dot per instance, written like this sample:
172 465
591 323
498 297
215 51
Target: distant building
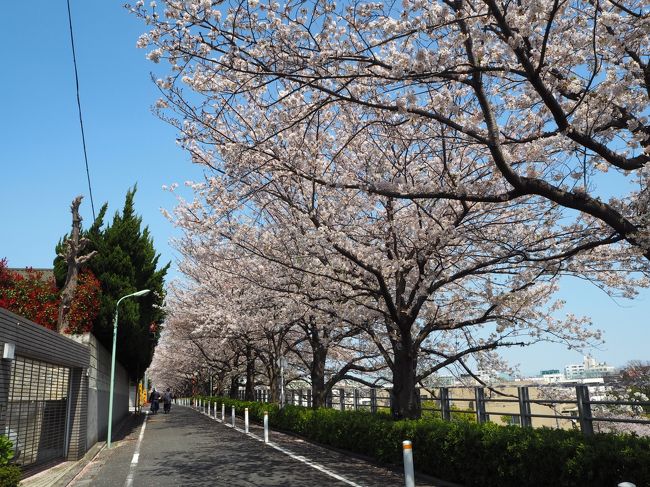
552 376
588 369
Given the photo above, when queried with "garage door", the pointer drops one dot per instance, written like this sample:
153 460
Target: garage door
37 411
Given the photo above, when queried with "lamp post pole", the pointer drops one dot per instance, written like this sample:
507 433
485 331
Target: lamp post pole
112 387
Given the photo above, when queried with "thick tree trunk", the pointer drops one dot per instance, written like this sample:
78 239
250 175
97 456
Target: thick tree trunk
274 383
249 394
220 386
318 390
405 403
72 257
234 387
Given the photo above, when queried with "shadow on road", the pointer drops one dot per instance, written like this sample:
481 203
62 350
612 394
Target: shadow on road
128 426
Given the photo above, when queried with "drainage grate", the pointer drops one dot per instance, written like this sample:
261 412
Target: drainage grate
37 410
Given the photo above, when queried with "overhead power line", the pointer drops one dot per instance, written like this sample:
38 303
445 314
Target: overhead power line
81 122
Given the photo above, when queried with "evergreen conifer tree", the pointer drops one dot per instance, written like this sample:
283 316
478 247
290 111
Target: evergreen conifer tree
126 262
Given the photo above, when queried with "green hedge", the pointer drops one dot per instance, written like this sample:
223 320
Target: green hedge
9 476
468 453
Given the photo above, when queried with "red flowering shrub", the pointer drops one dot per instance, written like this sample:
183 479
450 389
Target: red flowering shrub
29 295
37 299
85 305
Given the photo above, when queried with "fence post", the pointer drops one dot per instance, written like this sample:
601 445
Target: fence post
342 398
445 407
479 394
223 412
584 410
233 416
524 407
355 398
266 426
409 476
373 400
245 420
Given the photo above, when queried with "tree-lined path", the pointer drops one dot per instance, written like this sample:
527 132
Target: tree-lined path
189 448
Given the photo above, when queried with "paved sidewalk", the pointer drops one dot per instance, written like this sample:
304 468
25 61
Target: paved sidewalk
190 448
61 474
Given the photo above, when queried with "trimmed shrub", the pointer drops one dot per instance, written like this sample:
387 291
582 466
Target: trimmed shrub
468 453
6 450
9 476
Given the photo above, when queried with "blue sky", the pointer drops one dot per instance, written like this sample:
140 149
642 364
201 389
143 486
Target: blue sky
43 168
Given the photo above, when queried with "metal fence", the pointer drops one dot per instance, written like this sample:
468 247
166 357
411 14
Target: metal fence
484 404
36 414
43 393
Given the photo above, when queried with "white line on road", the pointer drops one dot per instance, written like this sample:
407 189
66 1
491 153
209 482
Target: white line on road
300 458
136 454
306 461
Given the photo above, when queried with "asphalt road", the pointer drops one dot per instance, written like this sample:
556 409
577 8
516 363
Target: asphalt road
187 448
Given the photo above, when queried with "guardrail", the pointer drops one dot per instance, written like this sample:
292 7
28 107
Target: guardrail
581 412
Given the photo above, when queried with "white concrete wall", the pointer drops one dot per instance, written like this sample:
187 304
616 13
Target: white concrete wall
99 376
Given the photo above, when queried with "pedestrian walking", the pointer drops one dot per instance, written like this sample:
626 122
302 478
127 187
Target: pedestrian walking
154 399
167 400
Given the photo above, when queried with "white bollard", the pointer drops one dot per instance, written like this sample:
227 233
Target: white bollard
223 413
266 426
409 476
626 484
215 411
233 416
245 420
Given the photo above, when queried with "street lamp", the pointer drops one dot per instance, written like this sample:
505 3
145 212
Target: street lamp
110 397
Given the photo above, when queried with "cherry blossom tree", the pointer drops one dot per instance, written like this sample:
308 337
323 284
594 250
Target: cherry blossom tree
420 275
550 95
409 167
268 308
